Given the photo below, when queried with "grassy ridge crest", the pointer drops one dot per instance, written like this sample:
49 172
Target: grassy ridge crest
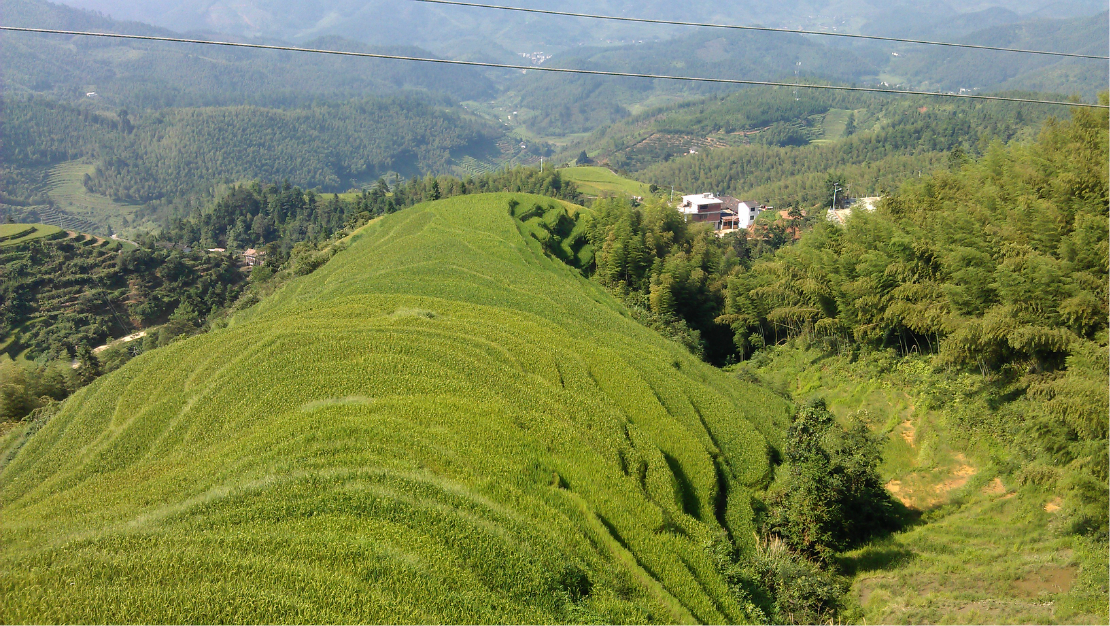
441 424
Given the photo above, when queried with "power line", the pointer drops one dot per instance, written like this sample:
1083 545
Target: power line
560 70
643 20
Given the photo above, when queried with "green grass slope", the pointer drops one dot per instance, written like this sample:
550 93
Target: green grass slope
15 234
599 181
442 424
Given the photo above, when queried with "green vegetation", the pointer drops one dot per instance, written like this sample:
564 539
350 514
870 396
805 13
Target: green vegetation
279 217
361 471
172 153
601 181
450 393
15 234
985 283
762 144
828 496
60 298
927 272
996 541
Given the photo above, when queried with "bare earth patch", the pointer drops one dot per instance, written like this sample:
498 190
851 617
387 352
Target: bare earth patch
1053 505
995 487
896 490
1051 580
909 433
918 491
963 472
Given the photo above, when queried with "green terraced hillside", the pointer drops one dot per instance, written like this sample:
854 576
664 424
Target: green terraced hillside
78 208
442 424
14 234
598 181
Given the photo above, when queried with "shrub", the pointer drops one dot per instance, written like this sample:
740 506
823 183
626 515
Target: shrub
777 586
828 496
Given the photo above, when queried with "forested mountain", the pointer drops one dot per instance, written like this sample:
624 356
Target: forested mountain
140 74
556 104
775 146
149 74
174 152
559 104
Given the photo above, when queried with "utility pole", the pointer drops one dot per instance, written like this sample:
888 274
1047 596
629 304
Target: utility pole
672 193
836 188
541 165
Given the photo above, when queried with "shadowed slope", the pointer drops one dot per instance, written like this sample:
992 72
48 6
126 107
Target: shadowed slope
442 424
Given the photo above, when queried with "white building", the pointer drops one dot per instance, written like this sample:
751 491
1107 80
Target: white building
704 207
746 210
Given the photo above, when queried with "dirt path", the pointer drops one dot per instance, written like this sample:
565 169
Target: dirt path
128 338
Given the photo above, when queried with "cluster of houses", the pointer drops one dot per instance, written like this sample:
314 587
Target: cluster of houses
250 258
727 214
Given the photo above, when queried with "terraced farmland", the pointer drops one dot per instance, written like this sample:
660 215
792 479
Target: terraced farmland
14 234
598 181
442 424
80 210
470 166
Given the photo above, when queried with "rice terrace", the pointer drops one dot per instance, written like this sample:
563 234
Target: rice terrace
442 412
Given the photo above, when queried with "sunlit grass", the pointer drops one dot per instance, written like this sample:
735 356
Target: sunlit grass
436 426
598 181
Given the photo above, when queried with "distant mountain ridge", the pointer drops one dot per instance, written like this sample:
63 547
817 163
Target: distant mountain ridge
951 69
437 27
134 73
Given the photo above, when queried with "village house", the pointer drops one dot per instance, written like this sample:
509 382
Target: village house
703 207
746 211
253 257
727 214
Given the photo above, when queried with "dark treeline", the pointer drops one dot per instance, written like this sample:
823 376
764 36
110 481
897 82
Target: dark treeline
277 217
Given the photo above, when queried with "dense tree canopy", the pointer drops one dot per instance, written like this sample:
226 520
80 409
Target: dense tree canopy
170 153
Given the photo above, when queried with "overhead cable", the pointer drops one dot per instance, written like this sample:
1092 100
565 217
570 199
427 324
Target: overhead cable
560 70
644 20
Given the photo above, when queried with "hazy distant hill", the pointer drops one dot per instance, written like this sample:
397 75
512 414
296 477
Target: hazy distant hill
438 27
164 74
952 69
557 102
